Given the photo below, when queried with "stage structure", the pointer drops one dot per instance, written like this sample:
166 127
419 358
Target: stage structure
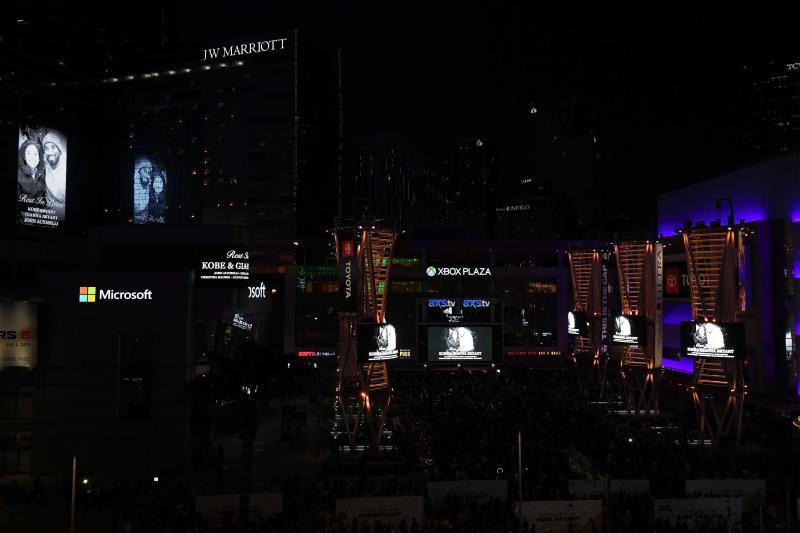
588 269
364 252
715 260
640 267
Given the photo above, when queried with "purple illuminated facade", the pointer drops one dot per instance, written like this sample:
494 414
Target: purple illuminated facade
766 197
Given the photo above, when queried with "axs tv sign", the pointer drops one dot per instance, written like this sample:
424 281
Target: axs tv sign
348 273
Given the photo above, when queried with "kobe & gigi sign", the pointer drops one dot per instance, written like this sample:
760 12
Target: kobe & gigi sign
234 266
244 49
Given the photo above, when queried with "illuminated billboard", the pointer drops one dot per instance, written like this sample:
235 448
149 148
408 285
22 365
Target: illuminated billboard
149 191
712 340
376 343
17 335
577 323
41 177
461 344
454 310
629 329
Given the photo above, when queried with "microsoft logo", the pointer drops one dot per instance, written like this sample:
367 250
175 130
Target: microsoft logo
87 294
92 295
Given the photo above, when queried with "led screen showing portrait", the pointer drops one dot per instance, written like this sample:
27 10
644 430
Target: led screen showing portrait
376 343
629 329
41 177
713 340
149 191
577 323
460 343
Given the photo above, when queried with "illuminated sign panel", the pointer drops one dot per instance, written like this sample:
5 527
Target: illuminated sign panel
713 340
458 271
150 194
18 338
90 294
577 323
41 177
458 310
244 49
629 329
376 343
349 277
461 343
234 265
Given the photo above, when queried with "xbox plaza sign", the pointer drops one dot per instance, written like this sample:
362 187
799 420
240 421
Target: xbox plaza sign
458 271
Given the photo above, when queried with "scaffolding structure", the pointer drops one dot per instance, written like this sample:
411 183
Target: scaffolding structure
363 393
639 270
714 258
587 297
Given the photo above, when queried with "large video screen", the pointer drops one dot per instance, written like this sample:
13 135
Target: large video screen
41 177
713 340
376 343
629 329
577 323
150 194
460 343
457 310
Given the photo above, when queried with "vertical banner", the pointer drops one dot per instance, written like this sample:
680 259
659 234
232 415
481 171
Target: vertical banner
149 191
604 302
41 177
348 272
658 318
17 335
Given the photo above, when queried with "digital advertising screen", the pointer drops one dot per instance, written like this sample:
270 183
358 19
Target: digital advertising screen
41 177
629 329
712 340
376 343
577 323
225 264
18 337
460 343
457 310
149 191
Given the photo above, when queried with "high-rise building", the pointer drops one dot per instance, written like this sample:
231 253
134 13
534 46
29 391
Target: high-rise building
473 167
394 178
565 157
251 138
771 111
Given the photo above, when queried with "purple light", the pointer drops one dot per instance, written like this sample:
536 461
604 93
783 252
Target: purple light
685 365
675 313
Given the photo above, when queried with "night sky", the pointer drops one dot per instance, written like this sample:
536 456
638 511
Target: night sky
663 81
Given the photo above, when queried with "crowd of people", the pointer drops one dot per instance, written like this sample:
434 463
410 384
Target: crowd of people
468 426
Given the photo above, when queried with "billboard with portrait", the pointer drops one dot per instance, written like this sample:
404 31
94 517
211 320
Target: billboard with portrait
376 343
150 193
41 177
462 343
629 329
713 340
577 323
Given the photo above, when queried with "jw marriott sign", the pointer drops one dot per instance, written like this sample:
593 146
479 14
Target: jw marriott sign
244 49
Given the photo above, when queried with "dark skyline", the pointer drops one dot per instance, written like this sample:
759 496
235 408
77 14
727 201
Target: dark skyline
664 85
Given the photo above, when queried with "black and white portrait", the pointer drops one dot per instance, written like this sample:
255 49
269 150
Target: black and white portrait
708 336
386 338
459 340
622 326
149 191
41 176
